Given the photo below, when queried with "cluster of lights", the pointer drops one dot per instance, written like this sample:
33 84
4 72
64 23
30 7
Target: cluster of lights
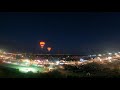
101 57
105 54
27 62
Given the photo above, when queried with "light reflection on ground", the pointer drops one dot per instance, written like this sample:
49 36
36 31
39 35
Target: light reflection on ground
24 69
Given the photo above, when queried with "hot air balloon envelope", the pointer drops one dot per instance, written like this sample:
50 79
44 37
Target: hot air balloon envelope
42 44
49 49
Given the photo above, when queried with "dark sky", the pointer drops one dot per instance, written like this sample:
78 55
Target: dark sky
66 32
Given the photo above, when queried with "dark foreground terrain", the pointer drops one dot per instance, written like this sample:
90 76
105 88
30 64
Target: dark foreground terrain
91 70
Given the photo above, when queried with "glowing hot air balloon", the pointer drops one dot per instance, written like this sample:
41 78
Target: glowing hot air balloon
49 49
42 44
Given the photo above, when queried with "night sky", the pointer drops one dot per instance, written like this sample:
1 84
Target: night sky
65 32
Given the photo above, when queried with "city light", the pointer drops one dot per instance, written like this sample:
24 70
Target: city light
109 58
99 55
116 53
110 53
27 69
57 62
